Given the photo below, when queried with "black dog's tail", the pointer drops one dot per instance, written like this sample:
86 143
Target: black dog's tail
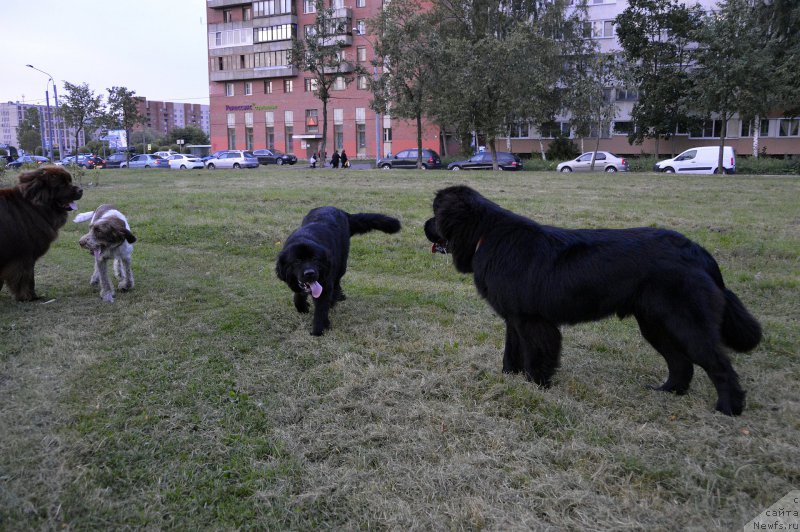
740 330
366 221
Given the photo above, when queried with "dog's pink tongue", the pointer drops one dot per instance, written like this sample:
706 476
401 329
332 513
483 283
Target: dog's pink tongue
316 290
73 206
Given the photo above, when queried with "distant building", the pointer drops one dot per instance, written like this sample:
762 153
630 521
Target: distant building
163 117
12 114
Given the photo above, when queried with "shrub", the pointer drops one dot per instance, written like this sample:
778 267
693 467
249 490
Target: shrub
562 149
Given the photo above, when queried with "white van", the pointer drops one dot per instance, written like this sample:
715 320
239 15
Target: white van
701 160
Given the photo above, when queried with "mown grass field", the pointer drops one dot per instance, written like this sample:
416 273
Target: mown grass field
200 401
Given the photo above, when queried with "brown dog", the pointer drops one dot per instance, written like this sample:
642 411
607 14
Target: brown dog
30 216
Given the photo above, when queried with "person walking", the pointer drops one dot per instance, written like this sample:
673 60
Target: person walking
313 160
345 162
335 159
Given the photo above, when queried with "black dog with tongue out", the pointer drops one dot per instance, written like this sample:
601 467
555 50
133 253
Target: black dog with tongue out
314 257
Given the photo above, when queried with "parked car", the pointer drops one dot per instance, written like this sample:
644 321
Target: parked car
165 154
604 162
115 160
702 160
182 161
233 159
217 153
483 161
274 157
408 159
145 160
28 159
66 161
91 162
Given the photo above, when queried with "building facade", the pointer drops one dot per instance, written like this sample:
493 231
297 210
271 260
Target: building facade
257 100
13 113
163 117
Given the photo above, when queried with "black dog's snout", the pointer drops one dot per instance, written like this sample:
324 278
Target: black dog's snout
309 275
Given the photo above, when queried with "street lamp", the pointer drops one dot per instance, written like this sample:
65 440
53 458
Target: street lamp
61 142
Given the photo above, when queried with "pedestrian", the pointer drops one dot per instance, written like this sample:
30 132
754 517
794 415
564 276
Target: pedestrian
313 160
335 159
345 162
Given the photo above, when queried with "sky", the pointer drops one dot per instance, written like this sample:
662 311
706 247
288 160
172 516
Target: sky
156 48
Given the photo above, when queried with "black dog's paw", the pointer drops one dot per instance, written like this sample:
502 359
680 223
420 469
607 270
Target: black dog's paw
668 388
301 303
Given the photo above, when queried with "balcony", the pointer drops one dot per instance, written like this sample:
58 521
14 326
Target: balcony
216 4
282 71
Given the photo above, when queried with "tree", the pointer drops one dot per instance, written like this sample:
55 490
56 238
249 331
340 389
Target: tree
80 108
190 135
320 52
403 48
733 70
29 131
479 39
123 111
656 40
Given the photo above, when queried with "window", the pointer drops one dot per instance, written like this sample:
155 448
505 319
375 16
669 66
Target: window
627 95
748 128
220 64
288 86
361 3
361 54
218 39
231 138
272 7
338 136
247 13
229 89
248 88
309 30
552 130
289 139
268 87
602 29
387 134
339 84
361 138
270 136
309 6
310 84
623 128
283 32
271 59
312 121
361 27
708 129
363 83
248 138
227 15
789 127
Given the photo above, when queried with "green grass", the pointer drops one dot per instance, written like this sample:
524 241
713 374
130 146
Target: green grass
200 401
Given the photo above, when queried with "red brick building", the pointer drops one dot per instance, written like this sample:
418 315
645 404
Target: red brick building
163 117
258 101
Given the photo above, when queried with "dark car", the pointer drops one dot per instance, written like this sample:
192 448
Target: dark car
30 160
91 162
483 161
274 157
116 159
408 159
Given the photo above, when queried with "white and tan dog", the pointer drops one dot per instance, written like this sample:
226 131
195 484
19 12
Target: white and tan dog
109 237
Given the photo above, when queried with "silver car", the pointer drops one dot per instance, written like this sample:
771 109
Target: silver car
604 161
233 159
181 161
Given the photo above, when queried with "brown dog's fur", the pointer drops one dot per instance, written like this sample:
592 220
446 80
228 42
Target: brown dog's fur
31 214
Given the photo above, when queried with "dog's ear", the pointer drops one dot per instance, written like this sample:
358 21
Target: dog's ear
281 267
31 183
129 237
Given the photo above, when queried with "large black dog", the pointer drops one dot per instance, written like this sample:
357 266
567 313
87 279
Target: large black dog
538 277
314 257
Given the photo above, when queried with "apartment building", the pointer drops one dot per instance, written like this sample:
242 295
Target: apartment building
163 117
13 113
258 100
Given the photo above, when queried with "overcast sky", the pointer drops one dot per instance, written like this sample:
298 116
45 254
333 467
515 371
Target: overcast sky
157 48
